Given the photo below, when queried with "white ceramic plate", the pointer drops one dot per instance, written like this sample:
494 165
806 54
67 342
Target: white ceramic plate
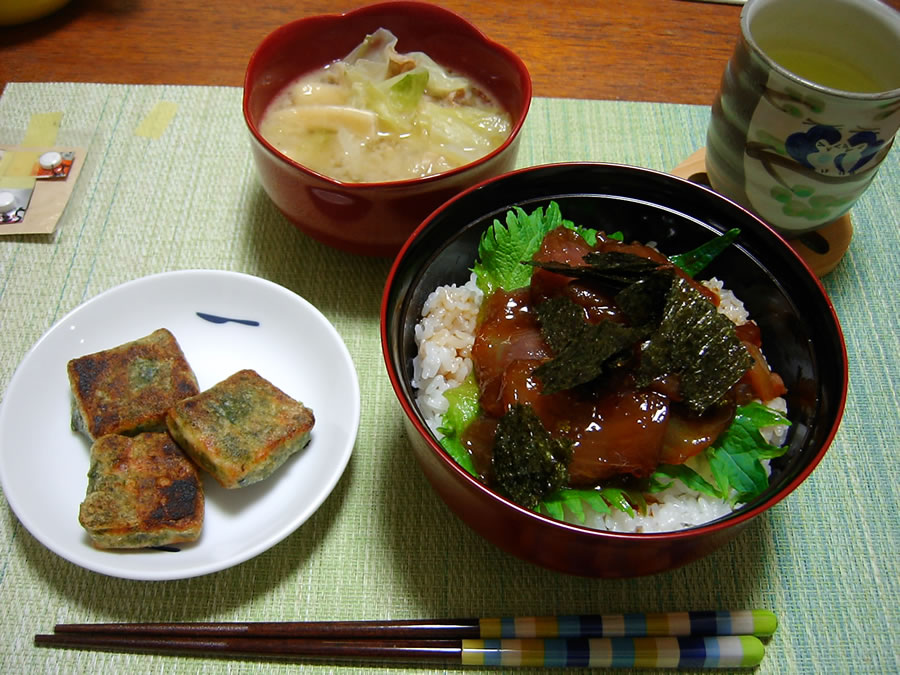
44 464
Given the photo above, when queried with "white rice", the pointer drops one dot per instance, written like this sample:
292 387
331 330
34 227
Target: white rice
729 305
677 507
445 336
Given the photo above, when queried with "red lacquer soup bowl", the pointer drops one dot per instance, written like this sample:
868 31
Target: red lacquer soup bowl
376 218
802 338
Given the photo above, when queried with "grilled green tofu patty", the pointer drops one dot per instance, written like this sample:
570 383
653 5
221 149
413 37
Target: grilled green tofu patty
241 429
142 491
129 388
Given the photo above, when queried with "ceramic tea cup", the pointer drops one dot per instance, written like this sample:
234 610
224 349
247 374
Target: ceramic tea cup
807 110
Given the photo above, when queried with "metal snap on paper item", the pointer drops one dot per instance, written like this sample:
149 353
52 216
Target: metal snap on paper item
50 160
54 165
35 184
13 204
7 202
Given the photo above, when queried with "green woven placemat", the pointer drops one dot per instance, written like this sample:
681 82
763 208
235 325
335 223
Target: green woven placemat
383 546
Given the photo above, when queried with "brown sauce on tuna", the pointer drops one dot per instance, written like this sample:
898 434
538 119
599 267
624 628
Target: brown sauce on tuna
616 429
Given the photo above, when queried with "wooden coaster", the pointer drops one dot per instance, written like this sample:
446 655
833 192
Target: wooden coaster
822 249
693 168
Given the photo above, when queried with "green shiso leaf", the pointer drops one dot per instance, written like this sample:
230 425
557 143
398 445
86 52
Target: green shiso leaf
464 408
618 499
588 234
741 471
458 452
555 510
574 500
600 500
692 262
666 473
762 416
502 249
528 463
734 458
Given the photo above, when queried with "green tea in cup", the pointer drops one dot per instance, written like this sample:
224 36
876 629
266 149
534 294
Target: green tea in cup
807 110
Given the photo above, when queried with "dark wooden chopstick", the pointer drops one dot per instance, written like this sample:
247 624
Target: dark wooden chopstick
675 639
677 624
422 651
729 651
401 629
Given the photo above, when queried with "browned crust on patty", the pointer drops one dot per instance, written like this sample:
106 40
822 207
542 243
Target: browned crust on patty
242 429
127 389
142 491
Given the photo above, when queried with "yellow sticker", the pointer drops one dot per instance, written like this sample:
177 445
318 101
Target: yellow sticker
6 158
42 129
157 120
17 168
17 182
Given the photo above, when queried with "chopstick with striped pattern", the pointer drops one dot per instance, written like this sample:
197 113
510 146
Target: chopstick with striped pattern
757 622
729 651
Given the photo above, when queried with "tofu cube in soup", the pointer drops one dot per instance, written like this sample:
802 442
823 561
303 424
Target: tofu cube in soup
129 388
241 429
142 491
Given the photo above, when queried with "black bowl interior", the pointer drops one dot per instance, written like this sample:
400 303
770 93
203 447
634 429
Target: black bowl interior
802 339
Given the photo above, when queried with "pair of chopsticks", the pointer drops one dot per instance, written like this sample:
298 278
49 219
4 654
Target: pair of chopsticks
714 639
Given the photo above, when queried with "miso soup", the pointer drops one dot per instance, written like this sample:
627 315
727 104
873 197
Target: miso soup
378 115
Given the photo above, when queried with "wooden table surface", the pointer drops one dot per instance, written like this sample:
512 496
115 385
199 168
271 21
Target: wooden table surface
641 50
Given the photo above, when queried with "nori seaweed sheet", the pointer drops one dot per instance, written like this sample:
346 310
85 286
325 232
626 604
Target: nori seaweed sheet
615 269
643 302
561 321
583 351
528 462
696 343
685 334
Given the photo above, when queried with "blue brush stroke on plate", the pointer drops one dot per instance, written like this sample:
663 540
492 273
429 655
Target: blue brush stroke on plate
212 318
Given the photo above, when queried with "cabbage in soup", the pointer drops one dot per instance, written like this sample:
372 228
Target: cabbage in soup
378 116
